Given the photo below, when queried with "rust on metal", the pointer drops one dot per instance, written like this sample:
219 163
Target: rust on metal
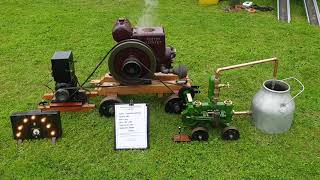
181 138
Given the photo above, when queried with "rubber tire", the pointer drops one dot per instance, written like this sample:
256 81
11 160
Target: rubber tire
172 102
106 104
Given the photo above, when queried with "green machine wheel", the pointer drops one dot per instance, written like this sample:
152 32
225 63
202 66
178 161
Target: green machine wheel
230 133
200 134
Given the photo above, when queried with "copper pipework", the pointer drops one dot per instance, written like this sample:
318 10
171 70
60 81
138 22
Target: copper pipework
238 66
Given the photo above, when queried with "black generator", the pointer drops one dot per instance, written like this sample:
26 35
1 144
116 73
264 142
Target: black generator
66 82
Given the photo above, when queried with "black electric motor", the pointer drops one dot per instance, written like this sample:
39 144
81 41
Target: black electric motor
66 82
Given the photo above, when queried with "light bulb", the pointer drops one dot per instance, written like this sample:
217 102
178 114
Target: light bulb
53 133
25 120
18 134
33 117
20 127
43 119
48 126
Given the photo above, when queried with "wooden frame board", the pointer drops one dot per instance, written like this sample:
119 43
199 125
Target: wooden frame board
163 84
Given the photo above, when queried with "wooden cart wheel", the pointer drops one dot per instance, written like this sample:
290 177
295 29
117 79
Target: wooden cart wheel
106 107
174 104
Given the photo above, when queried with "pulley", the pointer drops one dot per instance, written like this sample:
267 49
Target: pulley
132 62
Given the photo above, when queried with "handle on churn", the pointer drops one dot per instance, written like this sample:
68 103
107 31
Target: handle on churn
302 89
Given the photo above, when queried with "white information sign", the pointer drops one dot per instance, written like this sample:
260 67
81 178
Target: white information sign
131 126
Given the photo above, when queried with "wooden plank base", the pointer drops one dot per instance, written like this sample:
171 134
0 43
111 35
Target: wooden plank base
107 86
49 96
67 107
159 76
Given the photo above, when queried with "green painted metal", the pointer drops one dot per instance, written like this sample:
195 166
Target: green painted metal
211 88
206 114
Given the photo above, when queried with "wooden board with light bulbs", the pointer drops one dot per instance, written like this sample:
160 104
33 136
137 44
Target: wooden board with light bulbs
36 125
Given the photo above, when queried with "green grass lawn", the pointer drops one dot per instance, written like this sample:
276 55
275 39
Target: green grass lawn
205 38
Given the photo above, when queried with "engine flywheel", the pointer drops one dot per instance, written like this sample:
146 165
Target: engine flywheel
132 62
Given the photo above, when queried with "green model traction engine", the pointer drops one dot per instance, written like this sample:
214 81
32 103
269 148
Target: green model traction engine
200 116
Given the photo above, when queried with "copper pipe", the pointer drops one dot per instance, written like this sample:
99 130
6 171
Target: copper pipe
242 112
238 66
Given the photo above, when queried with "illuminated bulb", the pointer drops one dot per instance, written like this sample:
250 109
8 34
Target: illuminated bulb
18 134
20 127
43 120
53 133
33 117
48 126
25 120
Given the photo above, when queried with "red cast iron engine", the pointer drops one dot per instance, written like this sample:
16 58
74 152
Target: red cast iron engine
140 52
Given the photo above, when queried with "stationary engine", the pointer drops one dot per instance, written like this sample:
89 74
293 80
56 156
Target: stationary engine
66 82
140 52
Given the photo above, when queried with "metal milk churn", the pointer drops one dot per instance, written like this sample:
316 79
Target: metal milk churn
273 106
